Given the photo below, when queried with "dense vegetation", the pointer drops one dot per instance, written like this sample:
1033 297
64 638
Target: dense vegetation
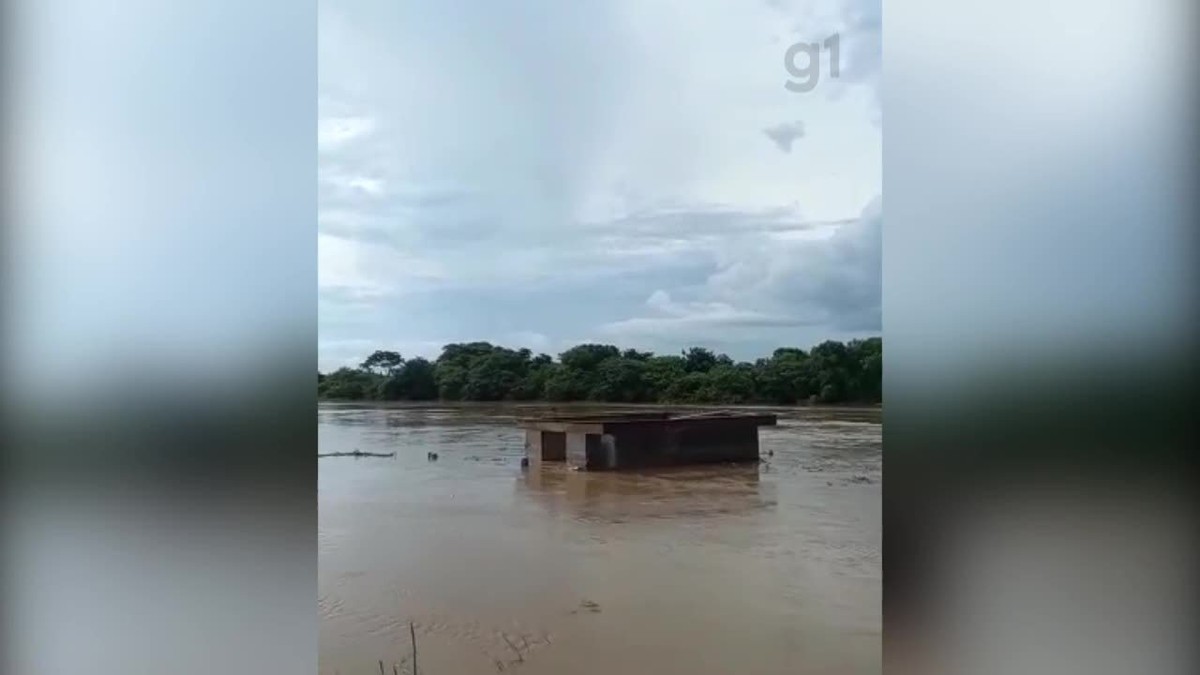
831 372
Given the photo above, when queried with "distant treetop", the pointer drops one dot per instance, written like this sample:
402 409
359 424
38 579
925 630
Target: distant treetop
831 372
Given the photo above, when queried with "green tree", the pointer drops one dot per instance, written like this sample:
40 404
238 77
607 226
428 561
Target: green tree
495 376
865 358
451 380
783 378
382 362
533 386
453 367
587 357
698 360
730 384
415 381
347 383
621 380
566 384
831 372
661 373
690 388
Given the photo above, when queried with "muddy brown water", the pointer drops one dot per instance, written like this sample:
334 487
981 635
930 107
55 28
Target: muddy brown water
773 568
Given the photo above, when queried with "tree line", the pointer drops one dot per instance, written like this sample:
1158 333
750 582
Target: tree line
831 372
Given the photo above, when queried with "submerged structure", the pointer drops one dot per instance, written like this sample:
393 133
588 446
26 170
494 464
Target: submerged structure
643 439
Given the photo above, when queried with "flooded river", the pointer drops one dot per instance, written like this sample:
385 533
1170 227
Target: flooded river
773 568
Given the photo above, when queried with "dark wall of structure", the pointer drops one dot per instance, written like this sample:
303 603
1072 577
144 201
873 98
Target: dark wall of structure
683 442
635 443
716 441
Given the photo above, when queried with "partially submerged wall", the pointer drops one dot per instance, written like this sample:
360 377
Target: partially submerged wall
545 446
590 451
683 442
647 440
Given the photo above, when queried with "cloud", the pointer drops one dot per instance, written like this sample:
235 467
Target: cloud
783 134
334 132
533 340
349 186
763 280
362 270
836 279
693 318
862 33
537 172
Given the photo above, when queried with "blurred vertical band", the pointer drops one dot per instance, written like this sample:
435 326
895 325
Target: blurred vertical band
1040 284
159 337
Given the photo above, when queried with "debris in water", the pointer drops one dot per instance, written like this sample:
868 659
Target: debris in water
356 453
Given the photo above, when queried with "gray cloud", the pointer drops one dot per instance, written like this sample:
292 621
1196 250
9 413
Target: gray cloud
765 279
836 278
783 134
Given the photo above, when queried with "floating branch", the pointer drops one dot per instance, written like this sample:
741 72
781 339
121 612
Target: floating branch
357 453
520 659
413 632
